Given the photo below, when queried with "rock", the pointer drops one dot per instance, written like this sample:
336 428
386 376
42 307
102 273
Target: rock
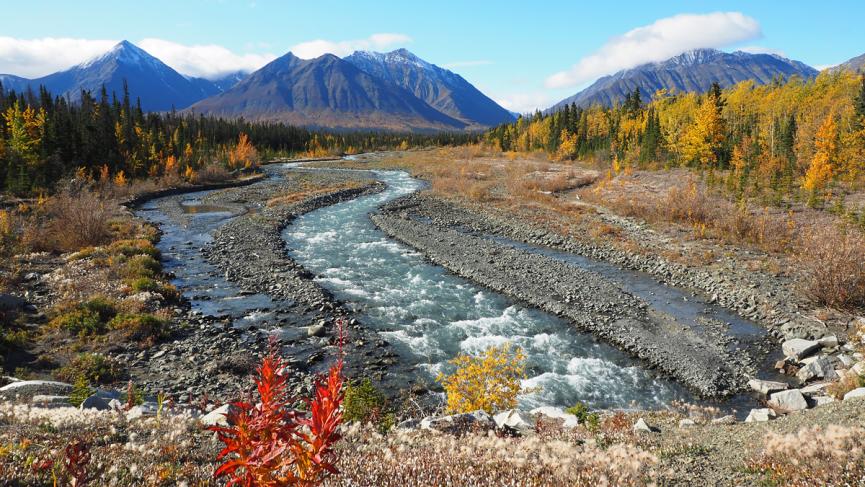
570 421
96 402
766 387
457 423
408 424
846 360
29 388
49 401
814 389
515 420
820 400
818 369
728 419
859 392
641 427
797 348
217 417
788 401
760 415
828 341
686 423
315 330
858 369
9 302
145 409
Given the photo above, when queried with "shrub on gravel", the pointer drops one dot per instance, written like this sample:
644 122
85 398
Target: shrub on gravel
140 266
832 260
132 247
86 318
144 328
93 367
363 403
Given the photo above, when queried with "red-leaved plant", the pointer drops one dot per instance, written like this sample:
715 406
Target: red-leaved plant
269 444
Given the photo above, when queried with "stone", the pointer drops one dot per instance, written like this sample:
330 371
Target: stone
760 415
8 302
641 427
828 341
315 330
798 348
788 401
816 389
686 423
818 369
408 424
858 369
457 423
29 388
728 419
846 360
515 420
570 421
217 417
50 401
96 402
821 400
142 410
766 387
859 392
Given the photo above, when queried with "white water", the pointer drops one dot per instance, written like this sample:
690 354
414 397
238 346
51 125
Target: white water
431 315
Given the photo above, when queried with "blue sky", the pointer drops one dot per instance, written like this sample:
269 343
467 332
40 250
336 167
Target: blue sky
523 54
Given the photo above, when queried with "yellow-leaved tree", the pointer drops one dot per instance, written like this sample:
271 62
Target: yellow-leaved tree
704 137
820 171
490 381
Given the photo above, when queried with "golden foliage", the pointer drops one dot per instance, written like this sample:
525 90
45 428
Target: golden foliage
825 143
490 381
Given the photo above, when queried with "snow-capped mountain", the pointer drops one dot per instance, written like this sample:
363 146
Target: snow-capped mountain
325 92
693 70
442 89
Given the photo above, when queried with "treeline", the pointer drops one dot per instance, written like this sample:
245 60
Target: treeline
784 139
44 138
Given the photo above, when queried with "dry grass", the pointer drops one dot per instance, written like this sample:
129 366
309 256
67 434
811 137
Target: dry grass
73 219
832 261
309 190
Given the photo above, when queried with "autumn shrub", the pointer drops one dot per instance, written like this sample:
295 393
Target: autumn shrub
93 367
77 217
490 381
832 262
584 416
211 173
139 266
270 444
85 318
144 328
133 247
813 456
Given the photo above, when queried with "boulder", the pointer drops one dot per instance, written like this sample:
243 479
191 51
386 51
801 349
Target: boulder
820 400
846 360
142 410
515 420
458 423
760 415
788 401
766 387
217 417
818 369
798 348
570 421
816 389
686 423
315 330
728 419
858 369
408 424
828 341
26 389
50 401
641 427
860 392
8 302
96 402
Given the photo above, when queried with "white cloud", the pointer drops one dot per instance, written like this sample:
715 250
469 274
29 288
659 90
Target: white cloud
204 60
33 58
821 67
762 50
315 48
658 41
526 101
467 64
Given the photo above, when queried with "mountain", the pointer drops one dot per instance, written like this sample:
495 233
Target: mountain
442 89
694 70
13 83
854 64
325 92
157 85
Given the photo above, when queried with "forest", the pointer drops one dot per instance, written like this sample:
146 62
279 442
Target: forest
44 138
790 140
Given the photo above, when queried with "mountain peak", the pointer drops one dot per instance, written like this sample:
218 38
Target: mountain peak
692 57
124 52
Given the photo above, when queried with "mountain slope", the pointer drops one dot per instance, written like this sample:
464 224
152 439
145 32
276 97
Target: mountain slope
691 71
442 89
157 85
324 92
11 82
854 64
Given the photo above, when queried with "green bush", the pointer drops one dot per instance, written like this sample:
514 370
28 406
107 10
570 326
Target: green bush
363 403
581 411
143 327
131 248
141 266
80 391
143 284
86 318
92 367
